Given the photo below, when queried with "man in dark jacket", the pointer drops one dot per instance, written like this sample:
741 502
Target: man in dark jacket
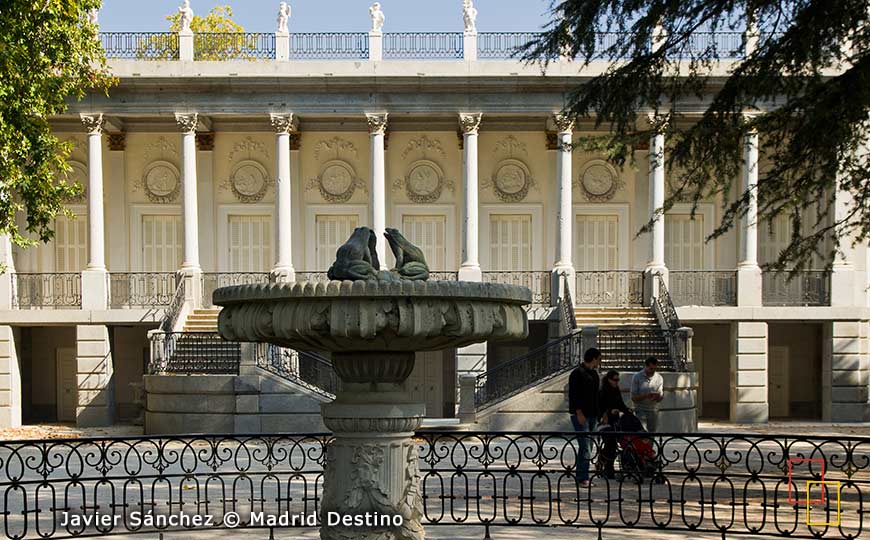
583 396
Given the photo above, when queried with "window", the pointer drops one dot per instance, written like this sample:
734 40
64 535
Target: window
429 234
71 244
161 243
331 232
510 242
596 242
250 243
684 242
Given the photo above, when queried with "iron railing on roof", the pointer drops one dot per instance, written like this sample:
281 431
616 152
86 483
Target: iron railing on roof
140 45
329 46
217 46
422 45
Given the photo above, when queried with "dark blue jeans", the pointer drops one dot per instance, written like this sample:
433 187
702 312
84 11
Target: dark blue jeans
585 444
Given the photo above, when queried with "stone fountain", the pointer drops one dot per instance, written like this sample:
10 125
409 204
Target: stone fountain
373 322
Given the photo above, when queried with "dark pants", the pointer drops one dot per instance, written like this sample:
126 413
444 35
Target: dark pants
585 444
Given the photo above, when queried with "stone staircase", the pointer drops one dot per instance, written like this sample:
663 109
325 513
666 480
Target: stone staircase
202 320
615 317
626 335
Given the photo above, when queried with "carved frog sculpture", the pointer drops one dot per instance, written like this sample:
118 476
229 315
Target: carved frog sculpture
357 259
410 261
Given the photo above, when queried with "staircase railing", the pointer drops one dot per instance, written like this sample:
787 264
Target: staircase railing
678 337
306 369
174 308
566 305
517 374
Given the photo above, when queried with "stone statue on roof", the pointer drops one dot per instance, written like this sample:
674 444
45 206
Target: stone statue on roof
377 17
469 14
283 17
186 16
94 16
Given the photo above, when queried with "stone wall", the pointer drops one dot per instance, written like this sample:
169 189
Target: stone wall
257 403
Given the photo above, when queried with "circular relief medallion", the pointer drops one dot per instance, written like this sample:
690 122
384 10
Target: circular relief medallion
424 182
512 181
337 181
599 181
161 182
248 181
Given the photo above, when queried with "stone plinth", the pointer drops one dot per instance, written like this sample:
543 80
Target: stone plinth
373 328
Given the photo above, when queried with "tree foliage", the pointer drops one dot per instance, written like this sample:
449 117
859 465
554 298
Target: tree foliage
808 77
48 53
216 35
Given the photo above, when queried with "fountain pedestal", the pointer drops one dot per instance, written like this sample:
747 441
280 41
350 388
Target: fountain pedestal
373 328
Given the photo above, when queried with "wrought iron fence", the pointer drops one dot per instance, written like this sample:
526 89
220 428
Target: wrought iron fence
233 46
503 45
609 288
329 46
47 290
140 45
141 289
446 45
725 45
517 374
537 281
204 353
722 484
703 288
801 288
626 348
211 281
307 369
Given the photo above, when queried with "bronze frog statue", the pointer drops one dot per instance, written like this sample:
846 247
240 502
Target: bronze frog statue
410 261
357 259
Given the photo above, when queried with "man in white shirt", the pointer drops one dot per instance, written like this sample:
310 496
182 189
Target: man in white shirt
647 389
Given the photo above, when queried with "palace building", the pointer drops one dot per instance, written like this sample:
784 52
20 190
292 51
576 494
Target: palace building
255 163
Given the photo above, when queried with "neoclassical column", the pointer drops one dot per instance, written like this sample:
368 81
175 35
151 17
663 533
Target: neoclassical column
377 128
469 270
564 216
283 269
96 221
748 271
187 124
656 262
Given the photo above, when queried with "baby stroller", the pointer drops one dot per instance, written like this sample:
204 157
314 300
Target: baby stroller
637 455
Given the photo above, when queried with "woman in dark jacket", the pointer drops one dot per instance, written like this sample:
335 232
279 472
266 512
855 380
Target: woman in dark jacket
612 406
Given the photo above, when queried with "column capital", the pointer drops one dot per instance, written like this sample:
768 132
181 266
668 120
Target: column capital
187 121
563 123
117 141
93 123
469 123
377 123
284 122
295 141
658 122
205 141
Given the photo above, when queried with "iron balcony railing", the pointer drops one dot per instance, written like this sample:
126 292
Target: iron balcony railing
703 288
537 281
697 485
61 290
329 46
517 374
799 288
211 281
616 288
203 353
217 46
141 289
306 369
437 45
140 45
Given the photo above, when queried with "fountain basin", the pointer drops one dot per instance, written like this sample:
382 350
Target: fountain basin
367 316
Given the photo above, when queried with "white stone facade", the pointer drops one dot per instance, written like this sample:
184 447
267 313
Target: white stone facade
266 166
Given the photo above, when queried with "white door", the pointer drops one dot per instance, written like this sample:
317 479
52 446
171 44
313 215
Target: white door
684 242
596 243
67 391
426 383
162 237
778 387
70 244
331 231
510 242
429 233
250 243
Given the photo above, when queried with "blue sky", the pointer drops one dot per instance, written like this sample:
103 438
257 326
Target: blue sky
335 15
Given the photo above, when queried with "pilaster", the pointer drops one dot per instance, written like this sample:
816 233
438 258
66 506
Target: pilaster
282 46
185 46
376 46
95 377
844 373
749 364
206 221
10 379
7 270
116 212
469 46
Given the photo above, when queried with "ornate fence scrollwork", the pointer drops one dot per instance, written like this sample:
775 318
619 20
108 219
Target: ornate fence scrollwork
617 288
141 289
47 290
537 281
211 281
